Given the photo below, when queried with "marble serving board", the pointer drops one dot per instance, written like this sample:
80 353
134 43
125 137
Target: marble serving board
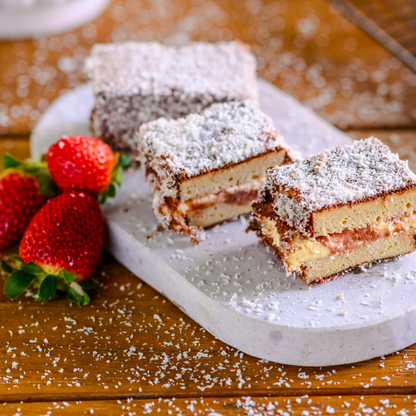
236 288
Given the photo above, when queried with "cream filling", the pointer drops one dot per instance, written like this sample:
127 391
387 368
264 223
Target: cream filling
212 199
306 249
309 249
268 227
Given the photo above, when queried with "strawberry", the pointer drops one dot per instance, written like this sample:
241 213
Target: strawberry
24 189
59 250
86 164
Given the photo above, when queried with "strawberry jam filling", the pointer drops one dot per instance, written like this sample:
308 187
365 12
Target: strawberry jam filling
242 197
350 240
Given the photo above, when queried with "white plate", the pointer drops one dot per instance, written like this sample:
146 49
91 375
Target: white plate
233 286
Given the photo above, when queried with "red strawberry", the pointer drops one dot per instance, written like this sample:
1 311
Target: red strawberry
61 246
24 189
86 164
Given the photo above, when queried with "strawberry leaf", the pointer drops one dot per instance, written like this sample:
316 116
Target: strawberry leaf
32 268
118 177
73 296
85 300
47 185
61 285
17 283
6 267
125 161
77 295
31 168
89 284
109 192
38 170
47 289
120 162
10 162
17 260
67 276
102 196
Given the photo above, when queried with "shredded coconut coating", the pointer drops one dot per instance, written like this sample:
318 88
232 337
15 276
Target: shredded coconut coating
137 82
222 135
364 170
217 69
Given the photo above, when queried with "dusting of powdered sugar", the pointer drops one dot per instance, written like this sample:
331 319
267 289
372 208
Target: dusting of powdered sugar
222 134
223 69
350 174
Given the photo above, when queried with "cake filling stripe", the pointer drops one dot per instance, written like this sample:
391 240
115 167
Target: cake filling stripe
241 195
236 198
298 251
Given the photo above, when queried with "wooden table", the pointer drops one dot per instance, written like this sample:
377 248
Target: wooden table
133 352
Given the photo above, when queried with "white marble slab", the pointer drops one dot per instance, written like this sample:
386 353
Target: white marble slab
236 288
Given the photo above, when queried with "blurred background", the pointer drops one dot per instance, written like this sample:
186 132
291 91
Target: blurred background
308 48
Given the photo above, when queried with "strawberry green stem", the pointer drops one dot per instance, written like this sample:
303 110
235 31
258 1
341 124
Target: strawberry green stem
38 170
46 286
121 162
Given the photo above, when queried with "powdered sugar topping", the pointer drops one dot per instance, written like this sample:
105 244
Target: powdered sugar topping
222 134
365 169
224 69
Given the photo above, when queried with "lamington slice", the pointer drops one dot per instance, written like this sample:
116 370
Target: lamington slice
137 82
338 210
207 168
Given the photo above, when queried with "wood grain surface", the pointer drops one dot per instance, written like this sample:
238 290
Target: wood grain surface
131 351
219 406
